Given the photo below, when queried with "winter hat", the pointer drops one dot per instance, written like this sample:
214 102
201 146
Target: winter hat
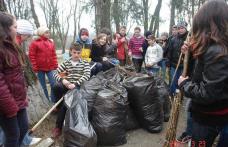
148 33
84 31
42 30
24 27
182 24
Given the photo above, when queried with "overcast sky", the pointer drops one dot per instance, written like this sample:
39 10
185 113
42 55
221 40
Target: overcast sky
88 19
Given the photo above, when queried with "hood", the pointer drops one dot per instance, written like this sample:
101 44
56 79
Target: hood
88 41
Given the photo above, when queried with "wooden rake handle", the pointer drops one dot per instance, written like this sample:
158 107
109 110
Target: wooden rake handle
45 116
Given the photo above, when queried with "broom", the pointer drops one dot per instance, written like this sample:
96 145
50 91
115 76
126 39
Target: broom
173 120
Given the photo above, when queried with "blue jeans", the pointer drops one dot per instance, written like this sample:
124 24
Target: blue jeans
189 124
174 85
96 69
41 77
223 140
2 137
14 128
204 136
26 141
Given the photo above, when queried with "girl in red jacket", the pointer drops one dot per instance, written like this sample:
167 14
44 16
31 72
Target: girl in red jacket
43 58
122 45
13 103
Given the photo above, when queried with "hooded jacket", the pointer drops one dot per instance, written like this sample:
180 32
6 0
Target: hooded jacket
42 55
86 48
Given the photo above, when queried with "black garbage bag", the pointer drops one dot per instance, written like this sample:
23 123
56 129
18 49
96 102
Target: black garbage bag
78 132
131 121
109 115
113 75
144 99
89 90
163 92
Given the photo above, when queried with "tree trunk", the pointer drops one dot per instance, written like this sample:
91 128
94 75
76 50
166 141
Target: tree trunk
145 11
75 19
2 6
34 14
172 16
116 14
155 18
102 14
193 8
38 103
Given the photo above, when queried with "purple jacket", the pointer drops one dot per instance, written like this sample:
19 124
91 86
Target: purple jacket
12 84
135 44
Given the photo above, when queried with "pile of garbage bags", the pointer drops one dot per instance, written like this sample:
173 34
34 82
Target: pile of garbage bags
111 103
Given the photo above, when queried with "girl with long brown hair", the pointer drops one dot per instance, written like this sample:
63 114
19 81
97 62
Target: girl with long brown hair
208 87
13 103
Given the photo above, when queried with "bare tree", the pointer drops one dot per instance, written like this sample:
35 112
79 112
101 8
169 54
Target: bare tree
102 14
116 14
2 6
19 8
34 14
155 18
146 14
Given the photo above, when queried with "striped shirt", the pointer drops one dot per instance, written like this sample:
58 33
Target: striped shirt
134 45
74 74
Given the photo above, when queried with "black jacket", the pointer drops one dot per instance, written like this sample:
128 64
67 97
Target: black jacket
174 49
208 88
98 52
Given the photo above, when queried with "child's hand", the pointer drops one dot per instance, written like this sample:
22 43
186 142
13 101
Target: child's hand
181 79
71 86
141 49
65 82
105 59
129 54
123 39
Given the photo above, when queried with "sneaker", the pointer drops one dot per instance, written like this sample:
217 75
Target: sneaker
56 132
34 140
184 138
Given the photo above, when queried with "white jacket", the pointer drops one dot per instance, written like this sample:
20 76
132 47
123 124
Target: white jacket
154 54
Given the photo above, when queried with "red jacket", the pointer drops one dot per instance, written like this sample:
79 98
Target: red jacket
121 49
12 84
42 55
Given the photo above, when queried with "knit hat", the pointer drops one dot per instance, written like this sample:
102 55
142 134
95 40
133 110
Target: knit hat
42 30
148 33
182 24
83 31
24 27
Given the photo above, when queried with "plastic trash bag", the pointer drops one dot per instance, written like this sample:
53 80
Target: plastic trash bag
163 92
131 121
90 89
109 115
78 132
145 101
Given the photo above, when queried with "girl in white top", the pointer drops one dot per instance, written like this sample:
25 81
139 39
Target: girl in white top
153 55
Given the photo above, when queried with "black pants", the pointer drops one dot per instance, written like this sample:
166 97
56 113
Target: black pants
14 128
138 64
204 136
59 91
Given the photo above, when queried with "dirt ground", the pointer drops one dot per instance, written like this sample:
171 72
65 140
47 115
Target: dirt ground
135 138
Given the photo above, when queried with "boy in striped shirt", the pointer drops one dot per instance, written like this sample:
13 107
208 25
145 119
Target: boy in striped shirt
76 71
